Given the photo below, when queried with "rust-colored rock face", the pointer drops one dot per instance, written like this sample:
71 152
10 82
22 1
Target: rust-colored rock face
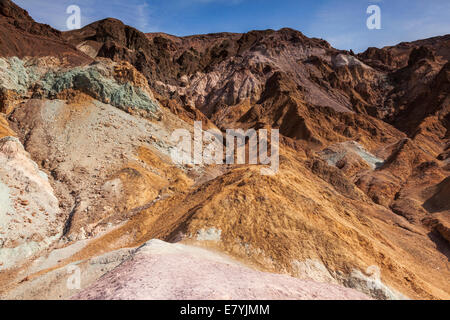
361 198
21 36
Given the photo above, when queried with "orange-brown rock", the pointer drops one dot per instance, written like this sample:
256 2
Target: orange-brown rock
361 198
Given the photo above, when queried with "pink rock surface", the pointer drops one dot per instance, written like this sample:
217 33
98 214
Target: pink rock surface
159 270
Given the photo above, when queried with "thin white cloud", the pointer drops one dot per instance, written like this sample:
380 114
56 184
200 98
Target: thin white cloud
343 24
136 13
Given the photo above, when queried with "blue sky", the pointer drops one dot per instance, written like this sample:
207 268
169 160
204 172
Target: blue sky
341 22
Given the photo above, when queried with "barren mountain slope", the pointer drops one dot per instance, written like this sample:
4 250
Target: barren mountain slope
361 198
143 277
230 77
21 36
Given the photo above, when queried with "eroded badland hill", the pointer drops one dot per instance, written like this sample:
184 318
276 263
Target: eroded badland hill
359 207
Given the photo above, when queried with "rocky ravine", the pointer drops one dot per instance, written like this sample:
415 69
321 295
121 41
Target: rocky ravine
361 199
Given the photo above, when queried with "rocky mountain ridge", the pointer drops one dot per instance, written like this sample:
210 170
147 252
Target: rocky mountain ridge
360 200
